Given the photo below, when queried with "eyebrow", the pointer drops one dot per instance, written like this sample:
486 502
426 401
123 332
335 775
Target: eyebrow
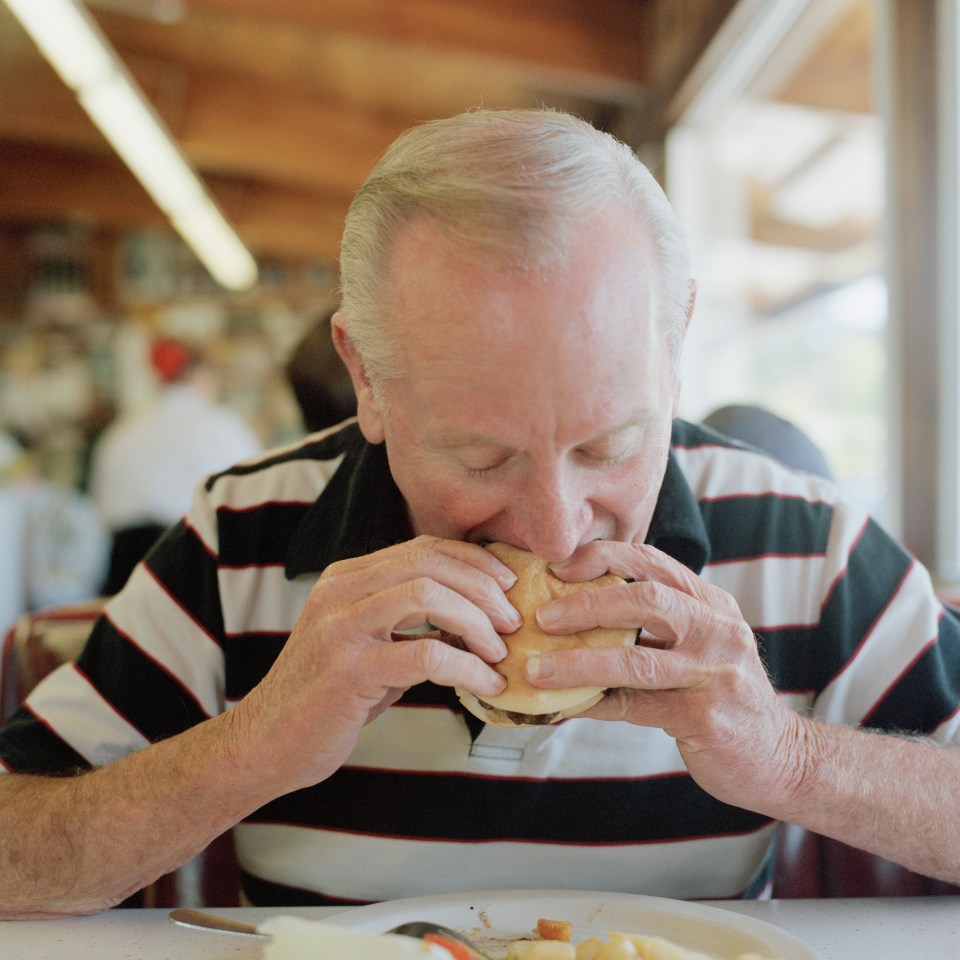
451 441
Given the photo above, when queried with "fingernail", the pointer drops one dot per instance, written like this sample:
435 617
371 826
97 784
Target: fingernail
540 667
513 617
548 616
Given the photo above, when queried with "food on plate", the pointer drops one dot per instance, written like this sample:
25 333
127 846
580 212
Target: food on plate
541 950
554 929
617 946
624 946
520 704
296 938
457 949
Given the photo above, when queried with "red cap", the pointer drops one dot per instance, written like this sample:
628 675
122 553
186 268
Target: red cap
170 359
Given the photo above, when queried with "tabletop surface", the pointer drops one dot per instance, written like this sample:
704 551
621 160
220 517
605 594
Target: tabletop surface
913 928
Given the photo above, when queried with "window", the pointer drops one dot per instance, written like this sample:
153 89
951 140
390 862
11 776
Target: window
782 187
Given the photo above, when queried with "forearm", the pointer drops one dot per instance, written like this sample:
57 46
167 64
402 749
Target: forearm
80 844
898 797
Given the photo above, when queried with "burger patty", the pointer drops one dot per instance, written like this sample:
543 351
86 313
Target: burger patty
514 716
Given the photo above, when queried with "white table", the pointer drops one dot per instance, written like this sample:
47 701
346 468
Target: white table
914 928
872 928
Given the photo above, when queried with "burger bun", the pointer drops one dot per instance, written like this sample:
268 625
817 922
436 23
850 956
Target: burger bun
521 704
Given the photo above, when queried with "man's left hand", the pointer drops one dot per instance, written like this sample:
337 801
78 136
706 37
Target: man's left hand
695 671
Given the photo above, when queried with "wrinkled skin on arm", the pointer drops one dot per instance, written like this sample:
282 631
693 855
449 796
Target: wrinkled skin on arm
696 672
80 844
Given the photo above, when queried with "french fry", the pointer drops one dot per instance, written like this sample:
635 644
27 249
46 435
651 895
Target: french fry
541 950
555 929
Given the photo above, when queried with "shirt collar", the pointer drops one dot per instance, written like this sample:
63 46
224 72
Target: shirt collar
677 526
361 511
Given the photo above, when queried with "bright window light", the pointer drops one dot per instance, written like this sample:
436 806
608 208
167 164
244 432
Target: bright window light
845 182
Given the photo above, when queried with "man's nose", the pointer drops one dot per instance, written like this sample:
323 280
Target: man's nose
551 517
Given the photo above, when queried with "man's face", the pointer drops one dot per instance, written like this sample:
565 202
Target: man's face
534 408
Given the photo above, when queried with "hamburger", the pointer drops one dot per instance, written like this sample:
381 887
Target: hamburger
520 704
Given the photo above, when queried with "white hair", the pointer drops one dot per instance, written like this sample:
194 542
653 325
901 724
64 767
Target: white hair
513 183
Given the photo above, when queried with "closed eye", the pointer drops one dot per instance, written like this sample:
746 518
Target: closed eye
615 448
485 471
604 458
599 458
480 460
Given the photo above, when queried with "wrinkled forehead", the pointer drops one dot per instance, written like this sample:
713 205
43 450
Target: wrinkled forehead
604 266
518 242
469 322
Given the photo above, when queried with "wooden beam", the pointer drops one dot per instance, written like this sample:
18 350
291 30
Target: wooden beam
43 184
605 38
39 184
346 69
227 124
233 126
284 106
36 107
282 222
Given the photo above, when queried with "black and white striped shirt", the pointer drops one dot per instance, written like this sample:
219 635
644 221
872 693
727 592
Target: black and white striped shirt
432 800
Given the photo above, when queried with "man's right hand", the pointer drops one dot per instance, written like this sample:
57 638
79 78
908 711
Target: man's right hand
340 669
80 844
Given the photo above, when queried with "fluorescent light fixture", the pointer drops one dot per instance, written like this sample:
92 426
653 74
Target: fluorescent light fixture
202 225
62 31
73 43
116 109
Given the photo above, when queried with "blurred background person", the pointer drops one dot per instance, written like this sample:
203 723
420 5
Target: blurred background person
12 531
318 378
146 464
763 429
53 545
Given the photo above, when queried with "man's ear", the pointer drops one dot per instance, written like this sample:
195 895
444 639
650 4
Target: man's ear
369 413
691 305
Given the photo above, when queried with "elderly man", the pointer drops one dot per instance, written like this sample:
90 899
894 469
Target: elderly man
515 294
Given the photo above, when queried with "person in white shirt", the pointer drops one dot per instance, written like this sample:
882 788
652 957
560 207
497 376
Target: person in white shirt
147 463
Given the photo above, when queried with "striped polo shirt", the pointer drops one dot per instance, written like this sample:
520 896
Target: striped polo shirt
432 800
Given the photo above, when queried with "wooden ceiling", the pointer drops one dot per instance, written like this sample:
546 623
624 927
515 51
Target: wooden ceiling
283 105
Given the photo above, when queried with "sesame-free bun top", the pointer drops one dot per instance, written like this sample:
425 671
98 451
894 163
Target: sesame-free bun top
520 704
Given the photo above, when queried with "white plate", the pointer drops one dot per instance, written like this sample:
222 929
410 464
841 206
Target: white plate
494 918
